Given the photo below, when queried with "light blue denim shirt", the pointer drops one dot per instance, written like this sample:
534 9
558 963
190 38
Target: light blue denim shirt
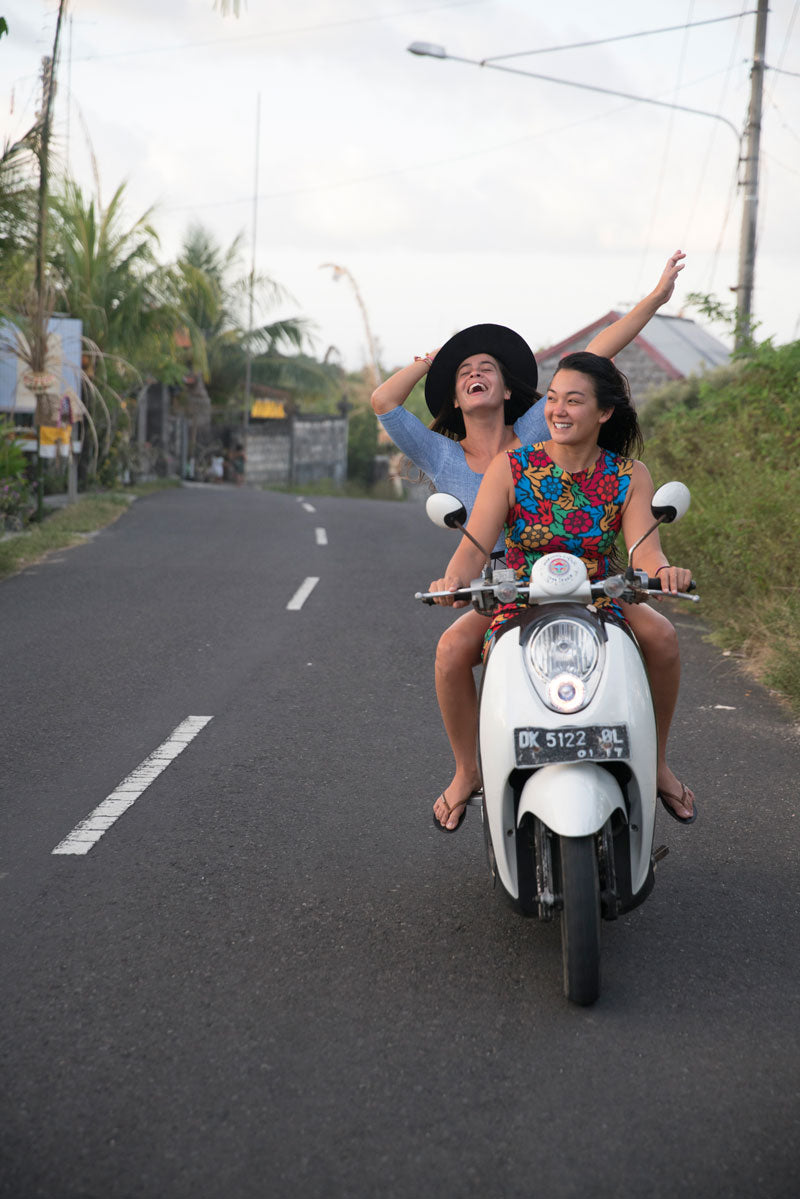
442 459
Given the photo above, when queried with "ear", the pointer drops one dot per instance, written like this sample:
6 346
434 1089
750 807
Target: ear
605 414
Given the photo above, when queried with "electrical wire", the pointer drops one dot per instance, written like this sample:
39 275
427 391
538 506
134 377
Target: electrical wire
255 37
621 37
713 135
667 145
417 166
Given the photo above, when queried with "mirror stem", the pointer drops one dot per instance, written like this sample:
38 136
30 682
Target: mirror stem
477 544
629 572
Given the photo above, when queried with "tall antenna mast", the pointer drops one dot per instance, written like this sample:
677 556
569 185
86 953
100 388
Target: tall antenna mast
249 361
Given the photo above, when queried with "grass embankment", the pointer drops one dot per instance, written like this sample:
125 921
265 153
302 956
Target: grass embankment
65 527
734 438
384 490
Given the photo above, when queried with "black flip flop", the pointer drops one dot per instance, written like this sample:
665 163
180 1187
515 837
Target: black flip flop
665 795
443 828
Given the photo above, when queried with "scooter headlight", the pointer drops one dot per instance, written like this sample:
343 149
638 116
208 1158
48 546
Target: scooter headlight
562 657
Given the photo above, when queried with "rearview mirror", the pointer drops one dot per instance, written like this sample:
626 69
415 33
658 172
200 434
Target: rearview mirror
445 510
670 502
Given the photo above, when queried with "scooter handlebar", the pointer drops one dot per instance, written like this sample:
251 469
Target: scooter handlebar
430 597
646 583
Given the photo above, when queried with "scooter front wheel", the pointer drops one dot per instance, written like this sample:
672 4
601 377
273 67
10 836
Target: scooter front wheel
580 919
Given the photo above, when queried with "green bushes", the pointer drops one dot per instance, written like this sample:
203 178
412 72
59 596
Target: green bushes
362 446
15 496
733 437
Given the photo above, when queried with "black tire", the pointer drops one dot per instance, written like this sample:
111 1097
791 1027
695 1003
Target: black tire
580 919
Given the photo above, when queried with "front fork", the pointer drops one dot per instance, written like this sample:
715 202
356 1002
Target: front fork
547 900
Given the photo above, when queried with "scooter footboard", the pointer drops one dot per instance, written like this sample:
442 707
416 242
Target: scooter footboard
574 799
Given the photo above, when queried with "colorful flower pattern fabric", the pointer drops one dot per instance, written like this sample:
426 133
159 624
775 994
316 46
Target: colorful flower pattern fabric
555 511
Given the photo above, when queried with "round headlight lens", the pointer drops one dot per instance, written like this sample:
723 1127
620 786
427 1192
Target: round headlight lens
564 647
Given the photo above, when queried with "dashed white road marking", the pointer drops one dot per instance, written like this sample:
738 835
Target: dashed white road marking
89 831
301 595
309 507
322 537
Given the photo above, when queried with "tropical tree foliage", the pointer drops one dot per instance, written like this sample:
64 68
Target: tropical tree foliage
17 219
212 293
108 276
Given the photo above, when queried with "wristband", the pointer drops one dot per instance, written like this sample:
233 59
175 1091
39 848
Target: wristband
423 358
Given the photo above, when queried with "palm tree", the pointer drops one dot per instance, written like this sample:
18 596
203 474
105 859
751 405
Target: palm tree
17 221
211 291
109 277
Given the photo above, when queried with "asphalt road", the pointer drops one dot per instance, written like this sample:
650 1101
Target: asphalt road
271 976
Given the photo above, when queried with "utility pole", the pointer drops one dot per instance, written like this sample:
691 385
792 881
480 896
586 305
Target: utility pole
40 380
747 238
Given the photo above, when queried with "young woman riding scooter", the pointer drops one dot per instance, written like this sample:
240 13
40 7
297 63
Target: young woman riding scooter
481 387
573 493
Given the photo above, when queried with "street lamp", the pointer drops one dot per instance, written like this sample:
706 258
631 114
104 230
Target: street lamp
747 241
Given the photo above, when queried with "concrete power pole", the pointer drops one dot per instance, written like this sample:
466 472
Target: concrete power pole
747 239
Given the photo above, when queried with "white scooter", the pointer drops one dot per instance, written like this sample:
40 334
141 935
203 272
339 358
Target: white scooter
567 741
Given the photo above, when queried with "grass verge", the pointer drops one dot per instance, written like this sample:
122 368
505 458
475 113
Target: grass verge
66 527
384 490
734 440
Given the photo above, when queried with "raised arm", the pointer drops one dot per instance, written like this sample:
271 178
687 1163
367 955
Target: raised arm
610 341
395 390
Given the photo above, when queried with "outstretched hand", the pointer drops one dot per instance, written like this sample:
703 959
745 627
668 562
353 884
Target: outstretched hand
666 284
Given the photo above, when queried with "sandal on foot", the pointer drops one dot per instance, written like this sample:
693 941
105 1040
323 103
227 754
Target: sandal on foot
681 799
443 827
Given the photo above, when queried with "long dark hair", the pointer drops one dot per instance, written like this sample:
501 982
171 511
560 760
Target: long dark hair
620 433
450 420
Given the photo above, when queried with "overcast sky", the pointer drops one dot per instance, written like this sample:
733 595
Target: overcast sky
452 194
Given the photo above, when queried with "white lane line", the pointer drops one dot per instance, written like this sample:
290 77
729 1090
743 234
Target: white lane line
301 595
89 831
309 507
322 537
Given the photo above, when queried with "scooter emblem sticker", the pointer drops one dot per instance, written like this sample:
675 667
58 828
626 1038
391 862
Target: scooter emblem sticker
558 567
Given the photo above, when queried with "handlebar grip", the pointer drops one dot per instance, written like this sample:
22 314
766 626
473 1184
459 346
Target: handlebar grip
654 584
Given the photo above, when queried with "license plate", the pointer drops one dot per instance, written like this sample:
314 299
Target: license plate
593 743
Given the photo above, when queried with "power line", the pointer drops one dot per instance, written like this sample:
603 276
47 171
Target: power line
254 37
620 37
667 145
415 167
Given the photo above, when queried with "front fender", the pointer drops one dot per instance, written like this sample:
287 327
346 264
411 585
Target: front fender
574 799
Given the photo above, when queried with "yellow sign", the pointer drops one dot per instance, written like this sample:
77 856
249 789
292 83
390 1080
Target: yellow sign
268 410
54 440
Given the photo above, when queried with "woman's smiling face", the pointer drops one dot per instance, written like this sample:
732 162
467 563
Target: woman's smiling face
571 410
480 383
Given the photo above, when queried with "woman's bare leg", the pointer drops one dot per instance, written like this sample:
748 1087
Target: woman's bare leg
458 651
659 644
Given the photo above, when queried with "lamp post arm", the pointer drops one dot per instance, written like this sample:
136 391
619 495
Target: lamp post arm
589 87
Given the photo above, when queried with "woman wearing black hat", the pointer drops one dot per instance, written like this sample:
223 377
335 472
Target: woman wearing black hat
481 390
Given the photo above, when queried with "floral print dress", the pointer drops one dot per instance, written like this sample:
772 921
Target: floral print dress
555 511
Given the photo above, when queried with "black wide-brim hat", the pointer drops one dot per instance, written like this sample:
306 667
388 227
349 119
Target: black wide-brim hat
503 344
